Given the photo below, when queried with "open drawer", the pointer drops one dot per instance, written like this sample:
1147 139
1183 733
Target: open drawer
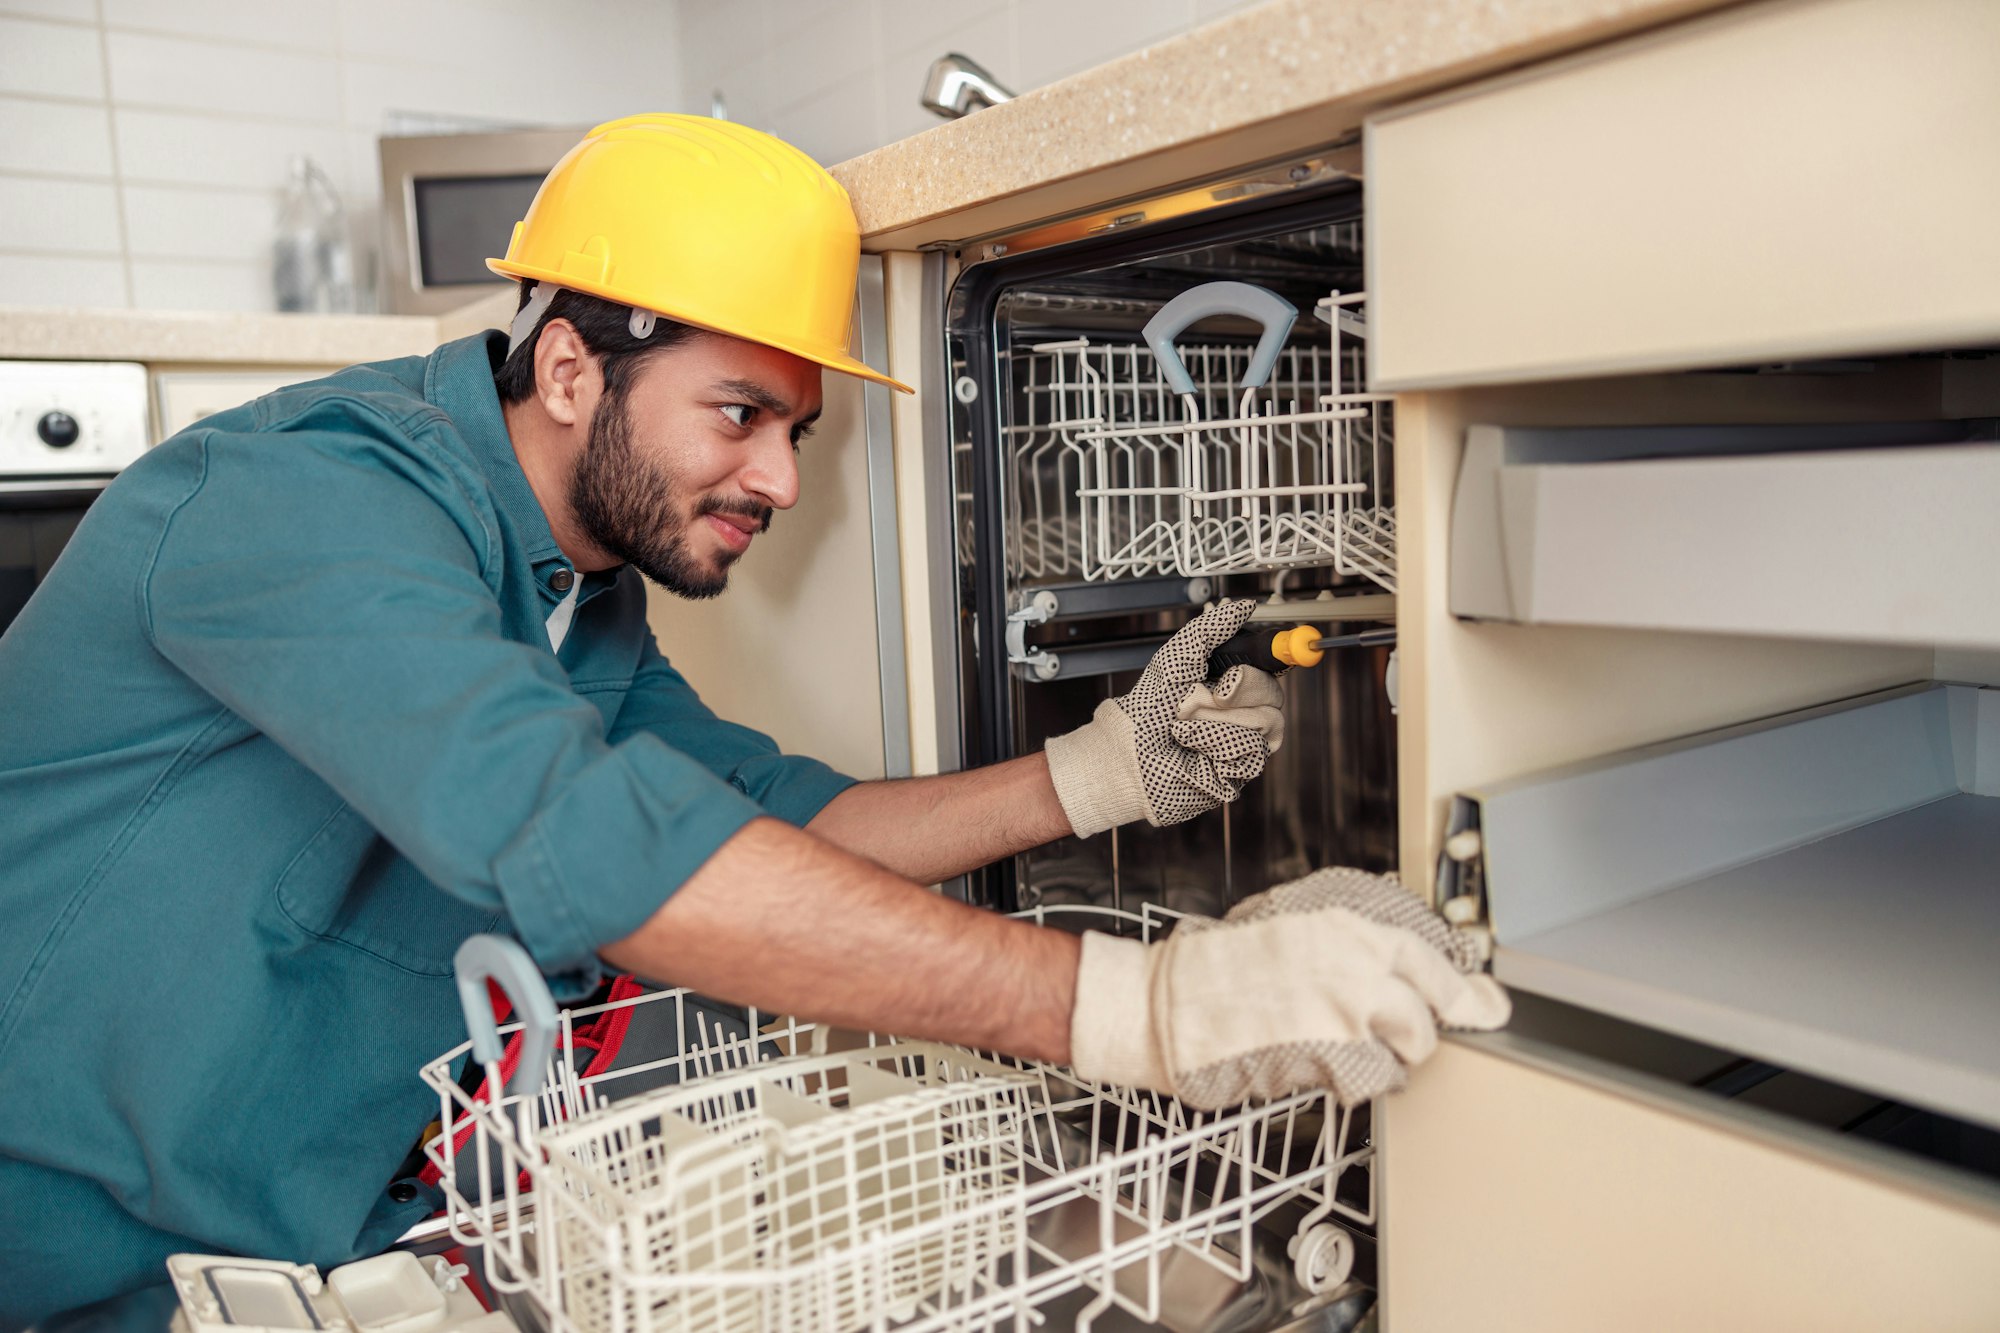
1821 890
1876 532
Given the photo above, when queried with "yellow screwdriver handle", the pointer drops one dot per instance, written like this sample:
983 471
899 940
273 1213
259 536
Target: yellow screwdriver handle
1267 650
1298 646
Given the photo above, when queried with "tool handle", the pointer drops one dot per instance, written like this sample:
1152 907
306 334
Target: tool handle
1267 649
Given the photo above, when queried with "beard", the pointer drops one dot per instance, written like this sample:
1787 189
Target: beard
635 511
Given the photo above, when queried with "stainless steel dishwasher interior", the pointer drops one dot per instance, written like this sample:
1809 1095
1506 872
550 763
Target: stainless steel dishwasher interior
1327 797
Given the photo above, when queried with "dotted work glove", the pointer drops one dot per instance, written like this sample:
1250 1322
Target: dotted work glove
1339 980
1175 746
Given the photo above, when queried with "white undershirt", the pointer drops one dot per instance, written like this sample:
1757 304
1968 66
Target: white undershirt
559 619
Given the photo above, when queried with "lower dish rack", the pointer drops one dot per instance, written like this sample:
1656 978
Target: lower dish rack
770 1175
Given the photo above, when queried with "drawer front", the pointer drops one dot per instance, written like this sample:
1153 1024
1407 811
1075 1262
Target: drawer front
1519 1196
1788 180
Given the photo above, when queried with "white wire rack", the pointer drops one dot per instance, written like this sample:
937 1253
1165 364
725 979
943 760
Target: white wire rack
1111 474
896 1184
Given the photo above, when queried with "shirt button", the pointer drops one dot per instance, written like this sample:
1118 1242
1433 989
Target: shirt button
403 1191
562 579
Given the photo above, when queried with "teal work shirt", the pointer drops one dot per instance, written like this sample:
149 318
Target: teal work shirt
283 727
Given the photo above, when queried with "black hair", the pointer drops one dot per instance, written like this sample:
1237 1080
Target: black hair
605 328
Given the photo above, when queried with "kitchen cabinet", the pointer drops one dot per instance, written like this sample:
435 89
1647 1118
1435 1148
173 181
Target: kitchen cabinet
1783 180
1691 205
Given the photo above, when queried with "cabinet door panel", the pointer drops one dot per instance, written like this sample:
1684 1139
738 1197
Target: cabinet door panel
1517 1197
1783 181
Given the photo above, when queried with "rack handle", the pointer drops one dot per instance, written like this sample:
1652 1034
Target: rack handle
1268 308
496 958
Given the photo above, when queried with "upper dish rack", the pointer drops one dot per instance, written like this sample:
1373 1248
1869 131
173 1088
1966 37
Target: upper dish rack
1127 460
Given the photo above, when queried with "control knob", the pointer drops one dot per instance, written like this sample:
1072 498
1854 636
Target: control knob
58 429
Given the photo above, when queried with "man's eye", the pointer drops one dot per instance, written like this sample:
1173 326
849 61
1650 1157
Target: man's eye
739 414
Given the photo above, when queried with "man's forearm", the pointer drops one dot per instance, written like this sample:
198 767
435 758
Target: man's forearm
931 829
785 921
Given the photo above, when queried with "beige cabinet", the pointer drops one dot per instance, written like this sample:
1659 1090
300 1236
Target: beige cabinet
1524 1189
1524 1186
1780 182
1783 180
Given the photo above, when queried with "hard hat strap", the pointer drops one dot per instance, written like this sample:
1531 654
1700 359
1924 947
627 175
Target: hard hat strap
542 294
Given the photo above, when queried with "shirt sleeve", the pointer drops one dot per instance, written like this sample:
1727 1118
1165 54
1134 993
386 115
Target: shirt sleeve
339 593
662 703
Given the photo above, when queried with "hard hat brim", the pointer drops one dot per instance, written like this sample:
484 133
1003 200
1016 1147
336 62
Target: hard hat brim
833 360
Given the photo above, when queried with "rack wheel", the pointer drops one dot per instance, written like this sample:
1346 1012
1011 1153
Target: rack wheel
1322 1258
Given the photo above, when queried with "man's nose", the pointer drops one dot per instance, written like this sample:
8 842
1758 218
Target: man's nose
771 474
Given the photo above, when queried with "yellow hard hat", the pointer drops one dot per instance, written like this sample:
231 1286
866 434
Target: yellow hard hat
706 222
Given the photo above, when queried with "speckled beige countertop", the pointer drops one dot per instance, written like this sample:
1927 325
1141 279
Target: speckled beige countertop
194 337
1279 78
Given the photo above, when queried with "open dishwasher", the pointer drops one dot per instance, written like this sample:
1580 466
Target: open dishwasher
1133 436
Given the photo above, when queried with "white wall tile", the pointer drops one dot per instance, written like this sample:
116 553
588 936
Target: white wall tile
187 285
48 280
207 76
1064 37
67 138
207 100
76 11
908 24
65 217
170 222
371 89
307 27
839 123
817 49
181 148
1208 11
442 34
727 34
55 59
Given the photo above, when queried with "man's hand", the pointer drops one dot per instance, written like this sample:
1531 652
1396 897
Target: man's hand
1338 980
1174 747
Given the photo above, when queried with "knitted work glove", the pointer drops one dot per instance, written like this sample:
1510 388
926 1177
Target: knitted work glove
1174 747
1338 980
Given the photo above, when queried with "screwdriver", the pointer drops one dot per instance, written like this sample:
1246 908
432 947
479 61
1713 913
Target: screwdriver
1274 650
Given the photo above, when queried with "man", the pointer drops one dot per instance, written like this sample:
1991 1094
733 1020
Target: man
330 682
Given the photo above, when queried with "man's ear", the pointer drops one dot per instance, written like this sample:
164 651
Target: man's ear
564 369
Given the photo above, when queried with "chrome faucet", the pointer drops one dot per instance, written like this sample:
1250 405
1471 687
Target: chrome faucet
959 85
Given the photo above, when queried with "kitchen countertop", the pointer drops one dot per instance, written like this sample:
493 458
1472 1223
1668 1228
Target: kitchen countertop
1270 81
201 337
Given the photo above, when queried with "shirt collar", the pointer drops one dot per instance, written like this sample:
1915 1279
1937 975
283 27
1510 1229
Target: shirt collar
458 380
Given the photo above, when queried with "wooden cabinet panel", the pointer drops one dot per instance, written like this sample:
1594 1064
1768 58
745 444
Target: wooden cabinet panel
1782 181
1518 1197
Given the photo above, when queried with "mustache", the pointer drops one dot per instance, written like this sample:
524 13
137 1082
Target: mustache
715 504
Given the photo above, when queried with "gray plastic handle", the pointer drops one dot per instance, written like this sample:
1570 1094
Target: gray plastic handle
496 958
1268 308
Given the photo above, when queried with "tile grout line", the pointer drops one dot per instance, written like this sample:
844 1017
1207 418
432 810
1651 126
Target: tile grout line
117 175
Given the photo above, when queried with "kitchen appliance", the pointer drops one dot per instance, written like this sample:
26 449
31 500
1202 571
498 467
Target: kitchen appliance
1101 492
449 203
66 429
1099 500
